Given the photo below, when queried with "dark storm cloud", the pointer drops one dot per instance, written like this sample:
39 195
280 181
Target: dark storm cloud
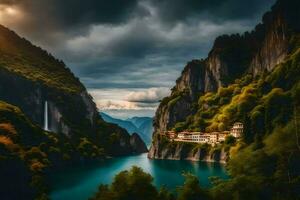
70 13
142 56
76 16
129 73
49 22
73 12
8 2
221 10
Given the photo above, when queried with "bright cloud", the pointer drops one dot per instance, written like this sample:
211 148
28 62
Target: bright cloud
152 95
128 99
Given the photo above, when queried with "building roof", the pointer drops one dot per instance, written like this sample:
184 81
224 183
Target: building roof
237 123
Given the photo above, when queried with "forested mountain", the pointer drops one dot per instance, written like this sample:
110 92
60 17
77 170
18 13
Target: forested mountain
236 81
30 77
253 78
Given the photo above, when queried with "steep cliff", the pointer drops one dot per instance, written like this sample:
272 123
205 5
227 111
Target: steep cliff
186 151
29 76
279 25
234 62
31 96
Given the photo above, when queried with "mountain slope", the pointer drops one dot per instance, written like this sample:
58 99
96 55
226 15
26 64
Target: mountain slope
231 57
21 57
33 77
145 127
129 126
140 125
29 77
138 121
146 130
254 79
225 87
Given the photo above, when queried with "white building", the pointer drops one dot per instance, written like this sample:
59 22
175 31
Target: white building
210 138
223 135
237 130
198 137
213 137
170 134
182 135
201 138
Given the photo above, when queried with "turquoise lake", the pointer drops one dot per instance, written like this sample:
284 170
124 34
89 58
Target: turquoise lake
80 183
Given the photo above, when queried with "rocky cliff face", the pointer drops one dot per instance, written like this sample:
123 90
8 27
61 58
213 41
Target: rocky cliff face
275 46
185 151
231 57
63 115
137 144
126 144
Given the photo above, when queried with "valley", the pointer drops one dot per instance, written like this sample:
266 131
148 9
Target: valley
228 128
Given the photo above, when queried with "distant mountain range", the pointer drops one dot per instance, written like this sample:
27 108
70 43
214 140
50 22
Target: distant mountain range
140 125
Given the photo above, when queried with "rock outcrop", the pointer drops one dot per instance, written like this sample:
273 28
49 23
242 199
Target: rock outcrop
137 144
231 57
64 117
185 151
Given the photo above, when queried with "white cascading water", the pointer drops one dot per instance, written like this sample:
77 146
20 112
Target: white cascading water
46 116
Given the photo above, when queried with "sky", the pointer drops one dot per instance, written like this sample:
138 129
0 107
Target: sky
129 53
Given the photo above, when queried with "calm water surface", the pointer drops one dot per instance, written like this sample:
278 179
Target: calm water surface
82 182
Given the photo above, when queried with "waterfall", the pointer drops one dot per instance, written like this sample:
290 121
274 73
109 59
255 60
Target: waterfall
46 116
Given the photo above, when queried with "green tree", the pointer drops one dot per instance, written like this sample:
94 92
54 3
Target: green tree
230 140
164 194
130 185
191 189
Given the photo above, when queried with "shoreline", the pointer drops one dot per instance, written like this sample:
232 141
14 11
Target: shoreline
190 159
